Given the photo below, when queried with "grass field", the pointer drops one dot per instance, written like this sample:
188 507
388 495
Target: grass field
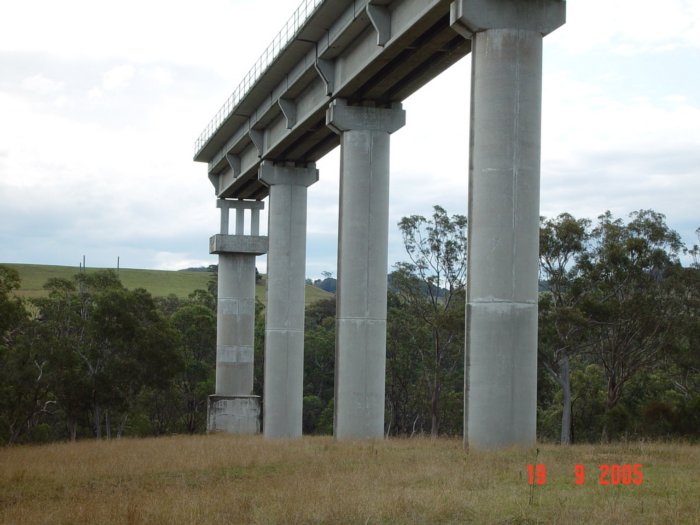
238 480
159 283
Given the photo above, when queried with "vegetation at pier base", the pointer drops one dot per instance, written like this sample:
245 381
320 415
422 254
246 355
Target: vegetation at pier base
102 355
228 479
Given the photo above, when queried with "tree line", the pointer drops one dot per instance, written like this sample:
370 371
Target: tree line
619 342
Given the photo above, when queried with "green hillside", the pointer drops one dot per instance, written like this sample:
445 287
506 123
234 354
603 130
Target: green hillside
160 283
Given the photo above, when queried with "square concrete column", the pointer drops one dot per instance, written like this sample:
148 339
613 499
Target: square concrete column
233 408
504 188
286 276
360 354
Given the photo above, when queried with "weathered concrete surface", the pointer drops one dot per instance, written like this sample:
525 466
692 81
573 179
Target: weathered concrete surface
235 323
284 326
504 188
233 414
241 244
360 358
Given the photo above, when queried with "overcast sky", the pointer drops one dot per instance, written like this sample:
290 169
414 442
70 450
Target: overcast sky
101 101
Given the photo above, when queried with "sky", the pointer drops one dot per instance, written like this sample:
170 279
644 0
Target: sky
101 102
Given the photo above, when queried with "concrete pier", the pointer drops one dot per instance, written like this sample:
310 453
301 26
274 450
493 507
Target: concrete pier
362 266
346 53
233 408
504 188
286 275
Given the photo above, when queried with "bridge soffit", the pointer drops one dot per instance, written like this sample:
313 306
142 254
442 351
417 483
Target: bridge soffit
302 96
282 100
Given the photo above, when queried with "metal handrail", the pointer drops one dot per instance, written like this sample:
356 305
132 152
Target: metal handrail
286 35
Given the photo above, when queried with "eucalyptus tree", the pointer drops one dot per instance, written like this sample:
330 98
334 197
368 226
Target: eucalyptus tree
431 286
24 385
563 241
630 309
105 343
196 325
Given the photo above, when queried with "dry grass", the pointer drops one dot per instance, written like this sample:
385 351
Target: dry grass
224 479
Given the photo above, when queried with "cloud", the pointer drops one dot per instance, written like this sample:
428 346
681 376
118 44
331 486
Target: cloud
41 85
223 35
160 75
118 77
628 27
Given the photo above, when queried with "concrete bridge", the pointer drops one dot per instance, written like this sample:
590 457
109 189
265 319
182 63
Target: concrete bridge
337 74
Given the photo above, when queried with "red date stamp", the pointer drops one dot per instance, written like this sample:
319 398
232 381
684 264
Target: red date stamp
614 474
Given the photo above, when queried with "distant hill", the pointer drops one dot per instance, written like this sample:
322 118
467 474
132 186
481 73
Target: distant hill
160 283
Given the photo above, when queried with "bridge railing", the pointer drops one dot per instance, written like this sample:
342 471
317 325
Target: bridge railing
286 35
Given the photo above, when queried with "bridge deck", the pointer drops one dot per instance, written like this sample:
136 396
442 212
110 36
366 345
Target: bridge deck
377 51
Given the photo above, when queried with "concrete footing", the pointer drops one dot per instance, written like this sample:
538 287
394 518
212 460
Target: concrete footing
234 414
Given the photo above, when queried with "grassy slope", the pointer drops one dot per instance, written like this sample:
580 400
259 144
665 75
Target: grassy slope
228 479
159 283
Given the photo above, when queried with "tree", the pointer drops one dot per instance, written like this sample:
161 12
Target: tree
196 325
561 326
105 344
694 252
407 406
12 311
629 311
319 364
431 285
24 387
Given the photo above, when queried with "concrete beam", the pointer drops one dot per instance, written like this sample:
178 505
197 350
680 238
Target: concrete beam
361 70
248 244
234 162
380 17
340 118
362 266
472 16
240 204
257 137
504 183
326 70
289 110
284 326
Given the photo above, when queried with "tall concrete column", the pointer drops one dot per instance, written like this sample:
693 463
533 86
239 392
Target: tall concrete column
233 408
504 189
363 229
286 277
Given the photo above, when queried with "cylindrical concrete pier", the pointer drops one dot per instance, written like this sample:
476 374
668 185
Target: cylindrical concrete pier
284 327
235 323
504 189
362 267
501 324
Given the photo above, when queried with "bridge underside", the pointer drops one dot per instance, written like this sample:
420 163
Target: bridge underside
343 61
